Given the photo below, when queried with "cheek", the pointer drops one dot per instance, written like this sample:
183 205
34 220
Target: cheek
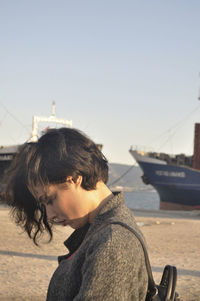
50 211
69 204
71 207
62 205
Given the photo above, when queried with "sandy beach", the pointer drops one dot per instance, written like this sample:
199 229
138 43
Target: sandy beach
172 238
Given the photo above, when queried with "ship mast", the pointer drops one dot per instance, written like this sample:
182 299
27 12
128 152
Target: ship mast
52 118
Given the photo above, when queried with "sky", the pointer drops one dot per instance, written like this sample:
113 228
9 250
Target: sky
125 72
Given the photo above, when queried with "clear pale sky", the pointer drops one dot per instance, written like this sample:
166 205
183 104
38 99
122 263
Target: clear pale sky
126 72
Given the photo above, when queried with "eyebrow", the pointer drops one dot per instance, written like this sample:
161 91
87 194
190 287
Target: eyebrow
46 197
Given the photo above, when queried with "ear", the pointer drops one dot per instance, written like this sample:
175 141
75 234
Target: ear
77 182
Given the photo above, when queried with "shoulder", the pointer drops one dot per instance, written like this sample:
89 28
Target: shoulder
116 240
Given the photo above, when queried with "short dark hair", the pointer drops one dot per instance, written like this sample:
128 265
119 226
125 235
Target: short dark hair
59 153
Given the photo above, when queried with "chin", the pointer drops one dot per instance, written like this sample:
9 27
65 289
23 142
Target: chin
76 225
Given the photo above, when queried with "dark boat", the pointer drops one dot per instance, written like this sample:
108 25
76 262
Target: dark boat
6 155
175 178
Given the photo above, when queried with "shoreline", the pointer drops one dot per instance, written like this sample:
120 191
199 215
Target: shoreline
191 214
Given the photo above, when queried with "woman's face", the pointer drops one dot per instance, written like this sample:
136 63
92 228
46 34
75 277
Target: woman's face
66 204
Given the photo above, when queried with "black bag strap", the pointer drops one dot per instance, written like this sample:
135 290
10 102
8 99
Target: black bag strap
151 284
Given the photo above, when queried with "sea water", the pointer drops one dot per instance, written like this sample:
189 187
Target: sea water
138 199
142 199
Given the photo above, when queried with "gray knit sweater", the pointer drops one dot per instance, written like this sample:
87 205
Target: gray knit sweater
105 262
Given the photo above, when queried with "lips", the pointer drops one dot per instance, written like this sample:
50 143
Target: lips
64 223
59 222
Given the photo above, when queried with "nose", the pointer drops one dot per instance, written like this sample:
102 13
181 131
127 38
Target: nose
50 213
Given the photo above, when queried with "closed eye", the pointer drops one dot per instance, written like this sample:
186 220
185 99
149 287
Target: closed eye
49 199
42 199
46 200
49 202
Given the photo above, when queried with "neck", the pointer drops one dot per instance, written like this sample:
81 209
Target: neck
102 194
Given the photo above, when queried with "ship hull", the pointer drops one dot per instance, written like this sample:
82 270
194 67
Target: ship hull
178 187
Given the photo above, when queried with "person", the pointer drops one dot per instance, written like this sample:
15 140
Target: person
61 180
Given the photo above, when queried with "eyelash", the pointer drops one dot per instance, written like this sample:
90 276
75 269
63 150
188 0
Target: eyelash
46 201
49 202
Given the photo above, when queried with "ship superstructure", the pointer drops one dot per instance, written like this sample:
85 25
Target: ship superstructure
8 152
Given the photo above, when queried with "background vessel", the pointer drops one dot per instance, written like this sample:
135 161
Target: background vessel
175 178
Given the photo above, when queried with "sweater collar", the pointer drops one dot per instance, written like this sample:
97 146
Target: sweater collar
76 238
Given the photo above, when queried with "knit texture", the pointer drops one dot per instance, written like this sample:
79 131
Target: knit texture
104 263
